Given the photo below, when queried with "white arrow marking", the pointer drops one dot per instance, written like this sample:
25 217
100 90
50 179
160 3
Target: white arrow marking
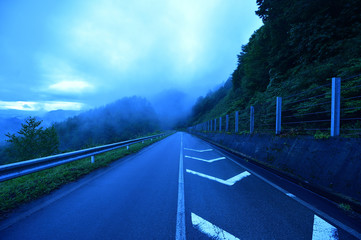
211 230
205 160
228 182
194 150
323 230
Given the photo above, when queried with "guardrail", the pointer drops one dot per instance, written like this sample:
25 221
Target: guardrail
14 170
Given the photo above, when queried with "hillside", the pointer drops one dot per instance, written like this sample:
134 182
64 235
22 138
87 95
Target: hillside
124 119
294 55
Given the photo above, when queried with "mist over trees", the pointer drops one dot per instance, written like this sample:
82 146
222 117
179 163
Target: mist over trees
121 120
302 45
172 107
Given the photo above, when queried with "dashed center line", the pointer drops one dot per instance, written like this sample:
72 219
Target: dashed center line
228 182
205 160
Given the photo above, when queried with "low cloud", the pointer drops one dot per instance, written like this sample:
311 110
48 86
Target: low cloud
71 86
40 106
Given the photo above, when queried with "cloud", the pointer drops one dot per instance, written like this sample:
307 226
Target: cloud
97 51
41 106
71 86
60 77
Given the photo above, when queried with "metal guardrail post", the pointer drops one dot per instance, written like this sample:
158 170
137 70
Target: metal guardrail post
215 125
211 124
278 114
335 107
227 119
251 120
92 159
236 122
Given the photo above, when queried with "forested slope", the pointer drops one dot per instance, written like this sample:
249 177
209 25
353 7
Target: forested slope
124 119
300 47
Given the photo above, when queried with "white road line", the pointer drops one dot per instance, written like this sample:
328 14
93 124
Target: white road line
290 195
348 229
228 182
353 232
211 230
205 160
181 226
323 230
195 150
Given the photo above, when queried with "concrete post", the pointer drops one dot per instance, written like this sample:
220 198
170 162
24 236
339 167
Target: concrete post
335 107
227 119
251 120
92 159
236 122
278 114
220 124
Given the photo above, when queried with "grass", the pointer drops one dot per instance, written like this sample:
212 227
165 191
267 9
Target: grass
24 189
346 207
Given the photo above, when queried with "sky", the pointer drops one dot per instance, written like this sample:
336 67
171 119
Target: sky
80 54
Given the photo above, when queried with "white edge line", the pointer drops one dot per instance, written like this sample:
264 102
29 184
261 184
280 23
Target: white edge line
309 206
180 227
210 229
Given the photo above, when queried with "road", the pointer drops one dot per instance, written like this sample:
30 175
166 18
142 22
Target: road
179 188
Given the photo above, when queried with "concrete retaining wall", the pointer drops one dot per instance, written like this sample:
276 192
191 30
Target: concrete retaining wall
334 164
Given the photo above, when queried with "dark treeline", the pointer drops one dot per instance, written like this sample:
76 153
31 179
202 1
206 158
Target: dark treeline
122 120
302 45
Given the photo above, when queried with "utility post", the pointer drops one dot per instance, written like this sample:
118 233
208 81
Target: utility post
335 107
278 114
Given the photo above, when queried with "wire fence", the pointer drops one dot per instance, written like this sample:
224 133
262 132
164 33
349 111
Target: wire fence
351 106
309 112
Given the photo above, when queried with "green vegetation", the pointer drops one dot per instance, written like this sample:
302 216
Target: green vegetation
32 141
127 118
27 188
346 207
321 135
300 47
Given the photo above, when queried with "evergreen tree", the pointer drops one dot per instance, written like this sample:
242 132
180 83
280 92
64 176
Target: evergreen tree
32 141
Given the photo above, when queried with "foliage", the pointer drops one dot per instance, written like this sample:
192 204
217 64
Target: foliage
300 47
32 141
124 119
321 135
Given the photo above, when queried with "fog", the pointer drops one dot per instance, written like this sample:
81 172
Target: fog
75 55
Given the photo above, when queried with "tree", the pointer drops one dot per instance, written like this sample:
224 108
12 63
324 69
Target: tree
32 141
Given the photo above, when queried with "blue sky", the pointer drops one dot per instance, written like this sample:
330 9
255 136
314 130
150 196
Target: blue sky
82 54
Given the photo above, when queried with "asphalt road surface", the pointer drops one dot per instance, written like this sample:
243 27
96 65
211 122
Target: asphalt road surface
180 188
